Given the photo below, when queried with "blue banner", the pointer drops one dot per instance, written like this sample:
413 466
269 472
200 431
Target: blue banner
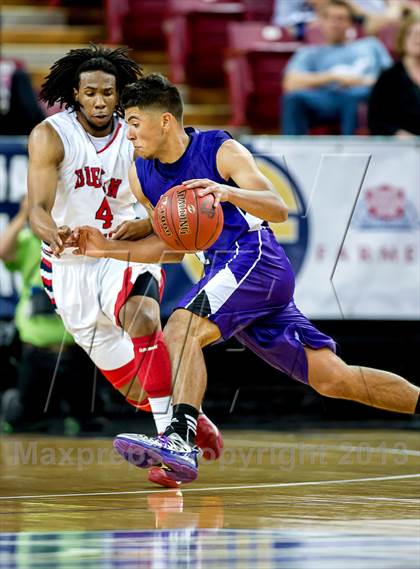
13 167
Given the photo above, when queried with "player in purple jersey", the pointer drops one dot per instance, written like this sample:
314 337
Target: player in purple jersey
247 289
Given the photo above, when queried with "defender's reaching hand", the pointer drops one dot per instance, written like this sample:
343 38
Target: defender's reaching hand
60 238
132 230
90 242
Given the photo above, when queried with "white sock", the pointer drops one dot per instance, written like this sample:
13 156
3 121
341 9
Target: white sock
162 412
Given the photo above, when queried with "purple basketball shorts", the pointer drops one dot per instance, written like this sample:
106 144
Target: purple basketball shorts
249 294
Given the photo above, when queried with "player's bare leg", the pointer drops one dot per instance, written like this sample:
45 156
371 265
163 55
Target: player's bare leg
186 335
146 321
331 376
140 316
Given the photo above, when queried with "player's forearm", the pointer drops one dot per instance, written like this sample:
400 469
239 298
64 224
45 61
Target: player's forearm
148 250
132 230
144 228
262 203
42 223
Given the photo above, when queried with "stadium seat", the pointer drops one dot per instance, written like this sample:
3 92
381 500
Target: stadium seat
196 33
137 23
257 56
258 10
115 11
388 36
143 25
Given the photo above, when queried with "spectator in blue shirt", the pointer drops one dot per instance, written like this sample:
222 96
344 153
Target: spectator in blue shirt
298 15
326 83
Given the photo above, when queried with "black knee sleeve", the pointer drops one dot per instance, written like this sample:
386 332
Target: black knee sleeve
146 285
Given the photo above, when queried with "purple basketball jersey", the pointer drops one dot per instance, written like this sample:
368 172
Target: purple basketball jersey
198 161
247 289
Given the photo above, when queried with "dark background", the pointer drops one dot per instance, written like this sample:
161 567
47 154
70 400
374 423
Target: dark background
245 392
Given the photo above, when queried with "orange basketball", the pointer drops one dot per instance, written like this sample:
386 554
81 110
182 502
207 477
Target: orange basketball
186 221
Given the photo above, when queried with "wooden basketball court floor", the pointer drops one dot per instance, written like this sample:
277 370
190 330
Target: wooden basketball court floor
311 500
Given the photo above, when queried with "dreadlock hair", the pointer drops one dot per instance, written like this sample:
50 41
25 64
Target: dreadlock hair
65 74
155 91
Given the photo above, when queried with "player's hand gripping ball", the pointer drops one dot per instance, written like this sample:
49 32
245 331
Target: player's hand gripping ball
187 222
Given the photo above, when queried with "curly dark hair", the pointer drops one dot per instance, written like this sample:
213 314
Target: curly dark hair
153 90
64 75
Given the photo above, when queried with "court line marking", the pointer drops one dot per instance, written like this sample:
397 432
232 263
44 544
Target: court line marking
216 488
322 446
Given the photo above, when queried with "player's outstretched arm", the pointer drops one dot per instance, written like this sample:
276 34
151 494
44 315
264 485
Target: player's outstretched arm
255 194
151 249
136 228
45 154
133 229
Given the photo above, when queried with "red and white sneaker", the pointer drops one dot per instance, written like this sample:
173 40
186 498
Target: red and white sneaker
209 438
159 475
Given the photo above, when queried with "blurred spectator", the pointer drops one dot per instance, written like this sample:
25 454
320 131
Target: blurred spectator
394 106
19 108
45 344
296 14
373 14
326 83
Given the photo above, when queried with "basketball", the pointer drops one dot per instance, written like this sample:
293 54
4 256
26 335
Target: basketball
187 222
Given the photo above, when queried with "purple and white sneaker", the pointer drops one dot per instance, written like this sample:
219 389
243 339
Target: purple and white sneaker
172 451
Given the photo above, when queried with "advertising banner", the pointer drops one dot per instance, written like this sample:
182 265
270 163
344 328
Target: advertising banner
13 168
353 233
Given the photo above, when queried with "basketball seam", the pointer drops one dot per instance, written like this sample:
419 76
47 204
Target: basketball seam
197 217
171 222
177 237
